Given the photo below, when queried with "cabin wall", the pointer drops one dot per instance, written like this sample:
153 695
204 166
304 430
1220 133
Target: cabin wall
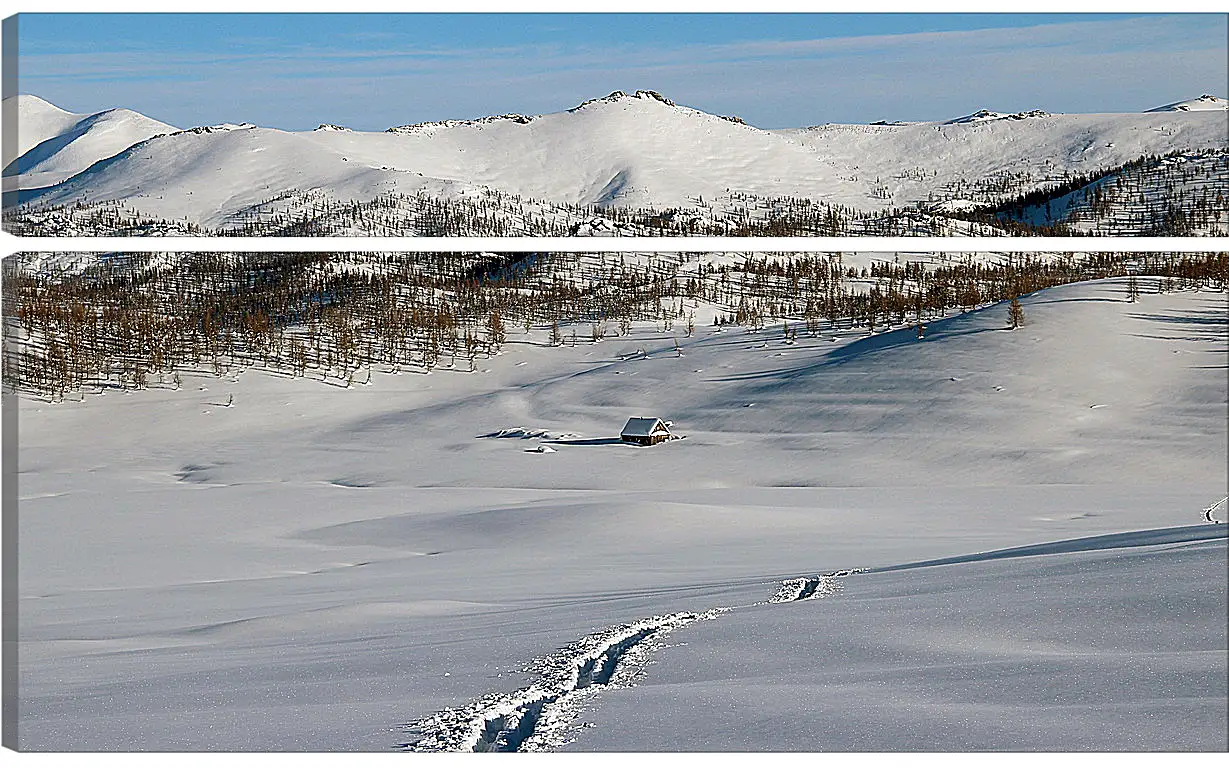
642 440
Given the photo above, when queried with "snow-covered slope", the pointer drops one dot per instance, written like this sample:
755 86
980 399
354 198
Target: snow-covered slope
262 562
639 150
626 150
39 120
619 150
1204 103
54 145
209 175
1033 653
911 162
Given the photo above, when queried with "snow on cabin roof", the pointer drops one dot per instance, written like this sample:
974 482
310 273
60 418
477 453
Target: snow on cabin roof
638 426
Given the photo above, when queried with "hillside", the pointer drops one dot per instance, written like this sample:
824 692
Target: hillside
636 160
262 560
55 145
39 120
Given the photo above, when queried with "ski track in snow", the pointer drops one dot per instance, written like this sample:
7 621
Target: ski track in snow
1210 513
539 717
812 587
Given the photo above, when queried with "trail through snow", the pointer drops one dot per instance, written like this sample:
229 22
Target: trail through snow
316 565
540 717
537 718
1213 513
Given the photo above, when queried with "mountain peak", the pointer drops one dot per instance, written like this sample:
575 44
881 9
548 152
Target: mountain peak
612 98
219 128
434 125
987 115
617 96
30 100
654 95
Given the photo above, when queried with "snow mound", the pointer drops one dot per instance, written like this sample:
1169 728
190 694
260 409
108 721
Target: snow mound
812 587
531 434
980 116
1205 103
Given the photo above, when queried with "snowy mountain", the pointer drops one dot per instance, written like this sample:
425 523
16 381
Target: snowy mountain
39 120
54 145
631 152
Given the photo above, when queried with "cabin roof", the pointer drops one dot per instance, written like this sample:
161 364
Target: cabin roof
639 426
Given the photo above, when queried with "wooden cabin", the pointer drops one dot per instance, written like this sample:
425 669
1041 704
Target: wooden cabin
646 431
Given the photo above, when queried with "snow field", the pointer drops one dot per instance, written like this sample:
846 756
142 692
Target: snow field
313 568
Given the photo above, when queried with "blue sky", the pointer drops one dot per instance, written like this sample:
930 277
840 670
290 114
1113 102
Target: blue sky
373 71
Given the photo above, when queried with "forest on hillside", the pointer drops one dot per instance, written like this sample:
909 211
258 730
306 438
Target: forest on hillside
131 321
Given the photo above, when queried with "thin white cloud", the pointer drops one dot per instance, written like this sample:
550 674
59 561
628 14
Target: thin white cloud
1100 65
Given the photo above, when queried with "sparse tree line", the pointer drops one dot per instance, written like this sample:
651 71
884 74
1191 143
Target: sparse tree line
104 219
1176 194
492 214
817 289
136 321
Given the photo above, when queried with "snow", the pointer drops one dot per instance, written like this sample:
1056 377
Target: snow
39 120
987 115
1153 190
1206 102
192 174
1098 650
915 161
643 426
536 718
639 150
55 145
313 568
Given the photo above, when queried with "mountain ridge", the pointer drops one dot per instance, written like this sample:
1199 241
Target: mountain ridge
639 150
